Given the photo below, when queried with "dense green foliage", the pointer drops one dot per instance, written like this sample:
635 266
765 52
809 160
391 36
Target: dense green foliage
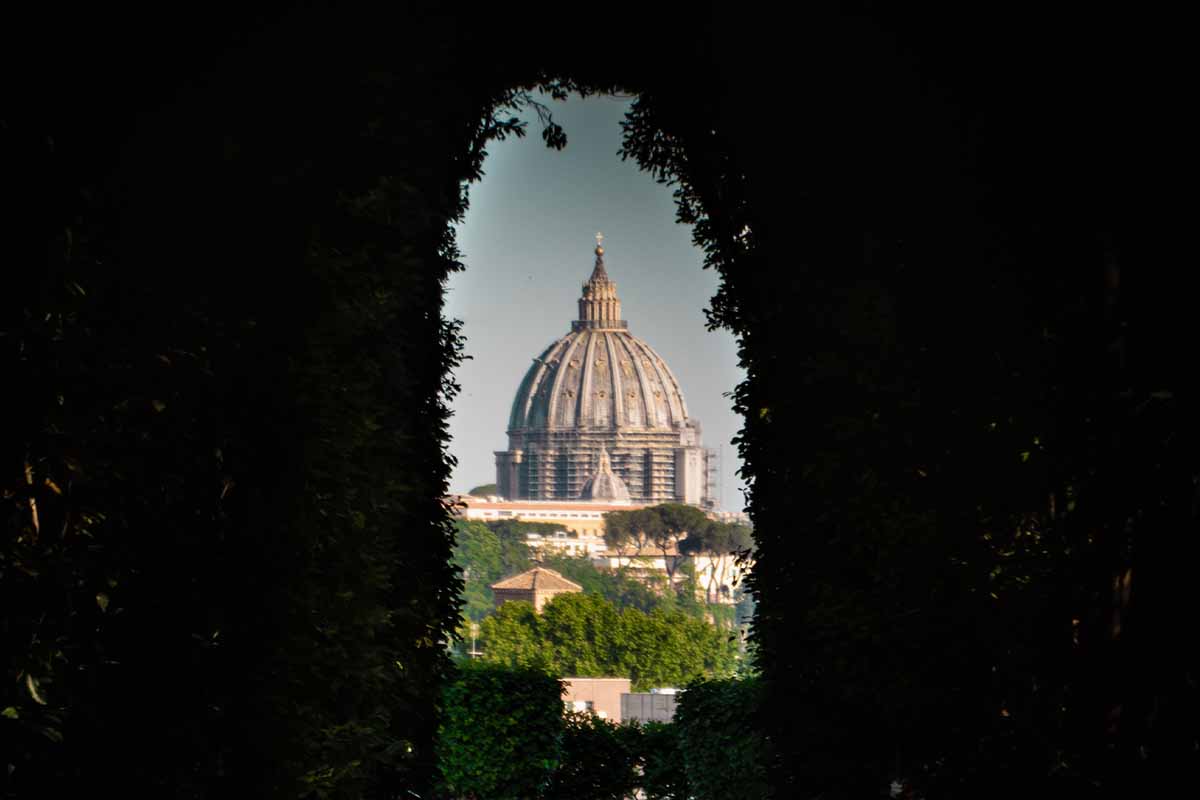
585 635
505 734
619 588
483 490
723 751
657 529
600 759
671 530
485 553
663 770
500 735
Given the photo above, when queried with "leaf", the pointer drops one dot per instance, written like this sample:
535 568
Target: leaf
31 684
102 601
10 713
53 734
158 405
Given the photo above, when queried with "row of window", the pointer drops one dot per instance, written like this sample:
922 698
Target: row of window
556 514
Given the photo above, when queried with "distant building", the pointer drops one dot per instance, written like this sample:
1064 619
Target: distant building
717 577
650 566
601 696
600 416
581 517
730 516
648 706
537 586
564 543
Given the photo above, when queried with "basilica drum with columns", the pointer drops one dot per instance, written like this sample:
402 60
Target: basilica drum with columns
600 417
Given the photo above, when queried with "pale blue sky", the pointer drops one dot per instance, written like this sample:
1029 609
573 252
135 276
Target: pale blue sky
527 242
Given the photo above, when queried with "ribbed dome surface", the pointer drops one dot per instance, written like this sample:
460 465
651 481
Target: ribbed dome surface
598 378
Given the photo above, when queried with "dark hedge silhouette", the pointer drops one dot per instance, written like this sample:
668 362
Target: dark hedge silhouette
968 441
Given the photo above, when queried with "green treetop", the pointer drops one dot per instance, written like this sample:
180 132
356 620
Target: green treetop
587 636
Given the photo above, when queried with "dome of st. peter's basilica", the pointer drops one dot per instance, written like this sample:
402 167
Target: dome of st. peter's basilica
600 394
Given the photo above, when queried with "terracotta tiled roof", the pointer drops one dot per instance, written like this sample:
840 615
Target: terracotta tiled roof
539 578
